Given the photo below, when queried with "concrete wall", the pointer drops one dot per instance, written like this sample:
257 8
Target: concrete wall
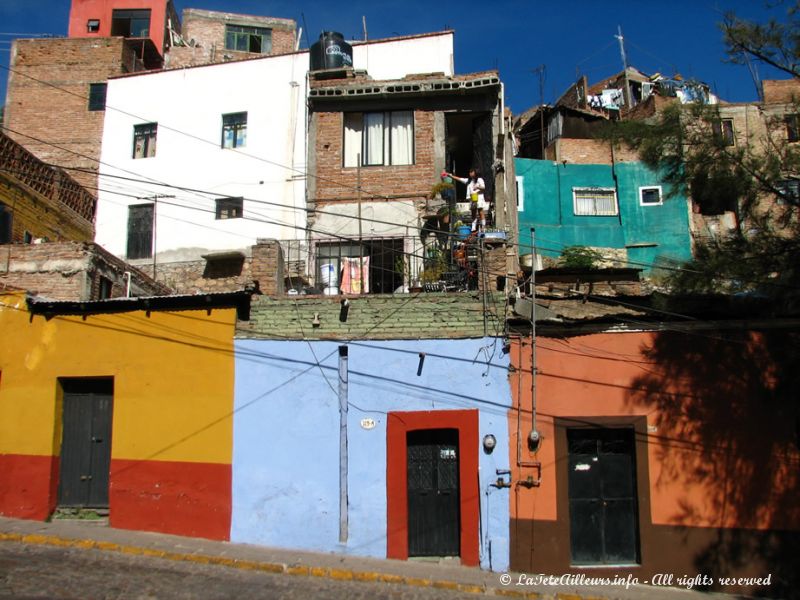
83 10
269 168
715 493
188 106
286 436
647 233
171 436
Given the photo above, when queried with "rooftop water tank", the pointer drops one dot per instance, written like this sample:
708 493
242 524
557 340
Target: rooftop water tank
331 52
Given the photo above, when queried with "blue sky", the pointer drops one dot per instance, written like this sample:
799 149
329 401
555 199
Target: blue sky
515 36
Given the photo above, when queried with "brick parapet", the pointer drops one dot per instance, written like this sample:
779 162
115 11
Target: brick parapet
207 30
403 316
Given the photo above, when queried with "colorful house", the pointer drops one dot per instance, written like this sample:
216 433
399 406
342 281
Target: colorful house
382 435
121 404
664 448
623 208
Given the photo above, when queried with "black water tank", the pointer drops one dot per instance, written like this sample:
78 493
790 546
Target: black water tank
331 52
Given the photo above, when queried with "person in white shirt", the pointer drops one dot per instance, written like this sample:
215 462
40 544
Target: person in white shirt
475 196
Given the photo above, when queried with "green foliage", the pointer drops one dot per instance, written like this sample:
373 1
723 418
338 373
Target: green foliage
757 178
440 187
580 257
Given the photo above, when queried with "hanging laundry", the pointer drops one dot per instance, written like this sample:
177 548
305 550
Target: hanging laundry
354 270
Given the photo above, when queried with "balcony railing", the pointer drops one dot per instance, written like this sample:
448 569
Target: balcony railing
48 181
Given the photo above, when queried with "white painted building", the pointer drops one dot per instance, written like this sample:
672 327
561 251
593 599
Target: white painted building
211 158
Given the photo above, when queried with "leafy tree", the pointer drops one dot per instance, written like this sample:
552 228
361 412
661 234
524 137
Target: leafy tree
759 180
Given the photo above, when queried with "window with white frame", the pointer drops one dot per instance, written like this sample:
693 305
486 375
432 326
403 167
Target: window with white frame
520 194
380 138
594 201
650 195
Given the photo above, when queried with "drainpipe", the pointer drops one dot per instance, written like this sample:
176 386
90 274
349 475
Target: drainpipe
343 445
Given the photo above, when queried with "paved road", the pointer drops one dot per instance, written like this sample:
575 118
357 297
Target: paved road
28 571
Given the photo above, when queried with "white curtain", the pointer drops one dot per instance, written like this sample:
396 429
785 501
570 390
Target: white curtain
353 125
373 124
402 137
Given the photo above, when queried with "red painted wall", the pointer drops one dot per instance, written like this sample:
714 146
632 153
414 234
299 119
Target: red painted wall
181 498
83 10
28 486
399 424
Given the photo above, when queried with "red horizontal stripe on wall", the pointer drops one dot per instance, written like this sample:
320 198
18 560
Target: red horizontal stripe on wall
28 485
182 498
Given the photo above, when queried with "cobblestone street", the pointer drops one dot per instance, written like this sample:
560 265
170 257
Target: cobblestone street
67 573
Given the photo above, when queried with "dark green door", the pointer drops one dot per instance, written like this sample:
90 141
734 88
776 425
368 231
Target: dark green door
86 442
602 497
433 493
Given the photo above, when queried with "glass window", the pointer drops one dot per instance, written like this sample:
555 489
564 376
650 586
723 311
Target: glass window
792 128
140 231
234 130
649 196
595 201
92 25
131 23
229 208
144 140
381 138
97 96
243 38
723 131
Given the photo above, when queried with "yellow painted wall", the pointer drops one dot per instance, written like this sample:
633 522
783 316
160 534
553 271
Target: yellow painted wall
173 379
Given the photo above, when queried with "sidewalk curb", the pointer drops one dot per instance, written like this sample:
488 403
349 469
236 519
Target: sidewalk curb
340 574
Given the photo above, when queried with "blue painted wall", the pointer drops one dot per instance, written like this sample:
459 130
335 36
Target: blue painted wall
286 436
650 233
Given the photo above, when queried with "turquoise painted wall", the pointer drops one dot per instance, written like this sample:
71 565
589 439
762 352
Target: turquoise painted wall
650 233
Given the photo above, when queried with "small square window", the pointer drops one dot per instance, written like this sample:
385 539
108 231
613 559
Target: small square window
650 195
144 140
234 130
93 26
229 208
723 131
97 96
788 191
792 128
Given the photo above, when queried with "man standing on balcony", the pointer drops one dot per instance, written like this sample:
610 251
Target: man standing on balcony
475 196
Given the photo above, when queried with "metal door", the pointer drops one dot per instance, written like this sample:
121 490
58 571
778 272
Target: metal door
433 493
602 496
86 443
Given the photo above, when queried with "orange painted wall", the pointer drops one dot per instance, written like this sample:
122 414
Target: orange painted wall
83 10
720 409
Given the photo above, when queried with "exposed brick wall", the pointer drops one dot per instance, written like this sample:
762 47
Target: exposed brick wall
375 317
589 151
193 277
267 267
207 29
57 113
492 268
781 91
335 182
70 271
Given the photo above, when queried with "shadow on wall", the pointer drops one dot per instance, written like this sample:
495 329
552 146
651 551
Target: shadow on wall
728 444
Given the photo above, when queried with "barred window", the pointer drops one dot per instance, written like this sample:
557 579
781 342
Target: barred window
594 201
